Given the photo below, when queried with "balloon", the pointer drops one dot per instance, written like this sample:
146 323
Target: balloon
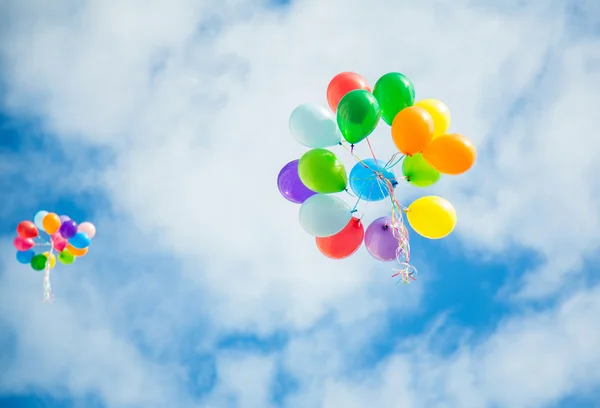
39 218
432 217
88 228
51 223
418 172
68 229
394 92
380 240
66 258
412 130
343 83
344 243
314 126
52 259
80 240
367 184
324 215
290 185
76 251
450 154
25 257
357 116
38 262
27 229
64 218
58 242
23 244
439 113
321 171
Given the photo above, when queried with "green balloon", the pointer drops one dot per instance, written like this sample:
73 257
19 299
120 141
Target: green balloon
66 258
358 114
418 172
38 263
321 171
394 92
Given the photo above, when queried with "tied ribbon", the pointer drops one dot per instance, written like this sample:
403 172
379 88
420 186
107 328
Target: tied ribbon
48 294
405 271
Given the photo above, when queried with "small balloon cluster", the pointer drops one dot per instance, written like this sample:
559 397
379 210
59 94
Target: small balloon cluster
54 234
419 130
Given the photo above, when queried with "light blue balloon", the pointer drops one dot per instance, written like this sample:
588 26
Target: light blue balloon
80 240
25 257
366 182
39 217
314 126
324 215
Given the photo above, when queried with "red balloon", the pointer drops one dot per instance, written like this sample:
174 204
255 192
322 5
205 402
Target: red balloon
343 83
344 243
27 229
23 244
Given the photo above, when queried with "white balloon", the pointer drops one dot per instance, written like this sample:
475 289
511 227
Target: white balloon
88 228
324 215
39 218
314 126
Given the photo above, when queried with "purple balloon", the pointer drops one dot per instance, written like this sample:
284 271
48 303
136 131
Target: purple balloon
290 185
64 218
380 240
68 229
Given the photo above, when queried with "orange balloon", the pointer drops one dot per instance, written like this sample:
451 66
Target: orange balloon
450 154
76 251
412 130
51 223
343 83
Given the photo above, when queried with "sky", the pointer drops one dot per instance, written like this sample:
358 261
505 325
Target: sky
165 123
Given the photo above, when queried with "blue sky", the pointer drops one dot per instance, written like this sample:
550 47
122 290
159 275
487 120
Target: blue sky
201 289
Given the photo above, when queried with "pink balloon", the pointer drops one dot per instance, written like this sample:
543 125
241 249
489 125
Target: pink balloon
58 242
88 228
23 244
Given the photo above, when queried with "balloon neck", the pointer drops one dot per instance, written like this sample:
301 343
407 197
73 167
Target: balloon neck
394 183
407 178
385 226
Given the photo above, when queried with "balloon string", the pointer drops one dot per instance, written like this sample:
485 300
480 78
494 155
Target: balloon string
372 152
406 271
389 167
48 295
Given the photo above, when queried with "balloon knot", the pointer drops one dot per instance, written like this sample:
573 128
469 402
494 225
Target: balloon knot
394 183
353 211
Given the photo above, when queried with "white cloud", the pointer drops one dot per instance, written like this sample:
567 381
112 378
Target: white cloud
244 381
199 129
529 360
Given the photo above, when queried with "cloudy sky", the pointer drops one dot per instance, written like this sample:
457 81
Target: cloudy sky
166 122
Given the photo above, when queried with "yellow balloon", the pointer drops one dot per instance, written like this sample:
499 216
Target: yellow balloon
432 217
440 114
52 259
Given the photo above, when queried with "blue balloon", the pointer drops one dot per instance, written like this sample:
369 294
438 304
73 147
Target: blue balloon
25 257
80 240
367 183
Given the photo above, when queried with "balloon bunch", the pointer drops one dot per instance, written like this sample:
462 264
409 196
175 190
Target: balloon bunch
426 150
55 234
